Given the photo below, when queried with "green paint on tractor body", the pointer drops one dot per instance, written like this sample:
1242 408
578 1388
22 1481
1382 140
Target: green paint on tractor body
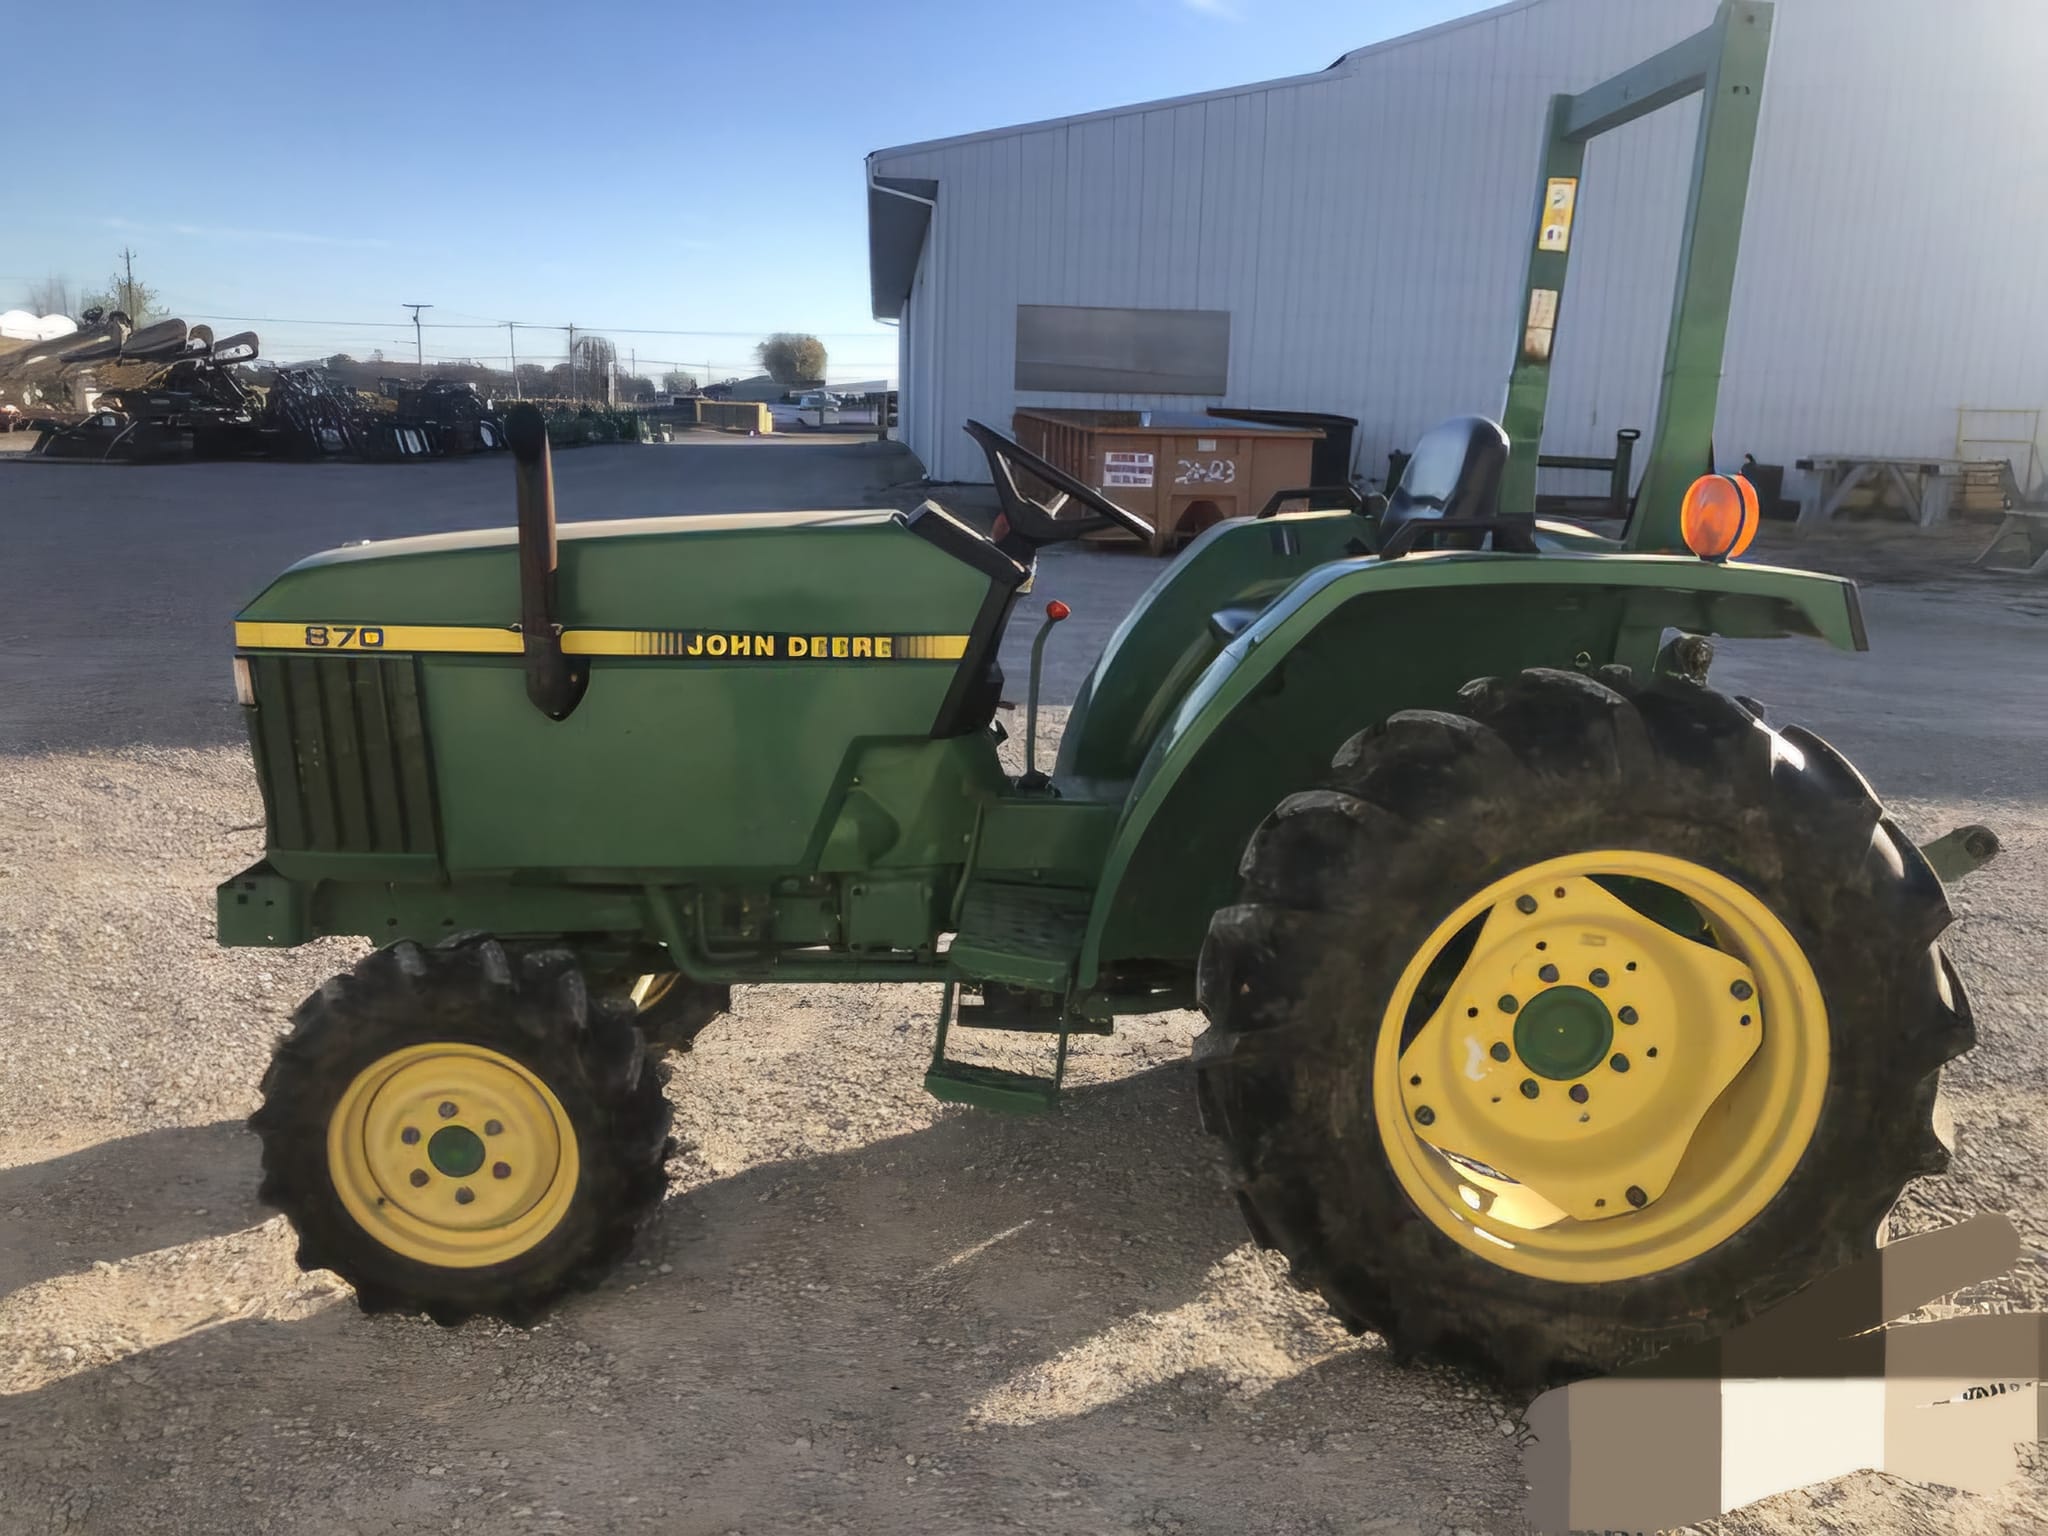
762 818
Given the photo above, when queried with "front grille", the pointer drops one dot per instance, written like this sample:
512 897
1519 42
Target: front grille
341 750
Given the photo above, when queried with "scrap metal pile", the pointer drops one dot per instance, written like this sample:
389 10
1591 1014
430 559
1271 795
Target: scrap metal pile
113 393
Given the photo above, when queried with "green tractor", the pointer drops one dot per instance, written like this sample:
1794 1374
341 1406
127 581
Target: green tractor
1560 1009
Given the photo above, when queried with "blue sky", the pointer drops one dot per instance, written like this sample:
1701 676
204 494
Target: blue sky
680 167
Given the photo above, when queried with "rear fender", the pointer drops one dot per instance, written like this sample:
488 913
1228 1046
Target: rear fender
1358 640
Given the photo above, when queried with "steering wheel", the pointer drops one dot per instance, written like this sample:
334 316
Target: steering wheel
1034 522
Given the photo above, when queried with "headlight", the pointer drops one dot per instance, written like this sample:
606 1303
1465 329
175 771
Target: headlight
245 683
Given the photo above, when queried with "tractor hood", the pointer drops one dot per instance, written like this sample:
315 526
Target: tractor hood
771 571
618 528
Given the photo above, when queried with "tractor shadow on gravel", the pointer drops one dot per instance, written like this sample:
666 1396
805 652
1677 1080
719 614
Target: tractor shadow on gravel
1057 1304
116 1199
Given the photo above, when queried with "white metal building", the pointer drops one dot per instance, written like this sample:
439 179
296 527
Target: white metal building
1365 228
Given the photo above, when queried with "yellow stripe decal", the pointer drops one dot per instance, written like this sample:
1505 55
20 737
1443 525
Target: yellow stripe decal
683 644
478 639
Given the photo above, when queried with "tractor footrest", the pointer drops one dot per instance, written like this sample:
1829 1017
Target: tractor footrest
1016 1093
1022 935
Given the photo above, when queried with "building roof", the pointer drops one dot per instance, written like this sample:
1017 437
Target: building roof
899 212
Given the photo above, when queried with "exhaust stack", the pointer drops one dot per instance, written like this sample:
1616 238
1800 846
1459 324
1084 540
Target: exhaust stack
553 683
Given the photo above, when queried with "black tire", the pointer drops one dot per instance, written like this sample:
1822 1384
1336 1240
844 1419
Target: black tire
1343 884
670 1011
534 1009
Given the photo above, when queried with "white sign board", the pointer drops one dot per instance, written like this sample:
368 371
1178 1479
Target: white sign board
1126 469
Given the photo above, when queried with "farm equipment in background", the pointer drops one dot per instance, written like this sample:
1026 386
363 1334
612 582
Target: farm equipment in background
1562 1010
172 391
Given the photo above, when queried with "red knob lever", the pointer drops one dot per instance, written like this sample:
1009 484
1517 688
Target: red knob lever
1057 610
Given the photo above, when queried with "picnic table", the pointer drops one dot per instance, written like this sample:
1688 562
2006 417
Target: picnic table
1927 487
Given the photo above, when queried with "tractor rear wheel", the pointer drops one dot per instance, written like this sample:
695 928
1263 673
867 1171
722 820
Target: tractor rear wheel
671 1011
462 1132
1581 1022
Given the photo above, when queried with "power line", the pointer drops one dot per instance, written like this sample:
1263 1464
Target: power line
524 325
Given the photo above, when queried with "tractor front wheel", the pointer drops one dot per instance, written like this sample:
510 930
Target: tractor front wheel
1582 1022
462 1132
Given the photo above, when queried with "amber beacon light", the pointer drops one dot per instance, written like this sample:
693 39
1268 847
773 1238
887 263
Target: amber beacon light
1719 517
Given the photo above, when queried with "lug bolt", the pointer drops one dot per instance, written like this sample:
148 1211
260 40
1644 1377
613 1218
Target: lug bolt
1425 1116
419 1178
493 1127
464 1195
409 1136
1618 1061
1652 1050
1742 991
1548 973
1745 1018
447 1110
1508 1003
1525 904
1500 1050
1598 978
1636 1197
1529 1088
1628 1015
501 1170
1578 1093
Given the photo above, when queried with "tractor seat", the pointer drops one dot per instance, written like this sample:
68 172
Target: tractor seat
1453 477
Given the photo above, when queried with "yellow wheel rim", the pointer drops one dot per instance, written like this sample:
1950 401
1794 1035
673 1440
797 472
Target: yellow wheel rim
1598 1096
650 990
452 1155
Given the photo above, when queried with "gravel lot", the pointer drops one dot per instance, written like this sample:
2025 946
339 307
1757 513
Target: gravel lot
860 1311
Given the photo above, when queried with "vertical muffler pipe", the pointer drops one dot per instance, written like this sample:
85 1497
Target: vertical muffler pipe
553 683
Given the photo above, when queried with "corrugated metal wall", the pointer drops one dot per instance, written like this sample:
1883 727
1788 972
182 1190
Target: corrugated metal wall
1366 228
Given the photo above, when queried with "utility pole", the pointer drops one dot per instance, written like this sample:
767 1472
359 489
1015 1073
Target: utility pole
512 342
572 364
419 351
128 285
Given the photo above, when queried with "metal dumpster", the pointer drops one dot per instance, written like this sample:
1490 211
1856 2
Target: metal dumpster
1180 471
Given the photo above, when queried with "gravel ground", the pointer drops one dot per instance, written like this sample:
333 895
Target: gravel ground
860 1311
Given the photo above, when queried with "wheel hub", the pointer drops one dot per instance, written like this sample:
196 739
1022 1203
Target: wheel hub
1578 1052
456 1151
453 1155
1563 1033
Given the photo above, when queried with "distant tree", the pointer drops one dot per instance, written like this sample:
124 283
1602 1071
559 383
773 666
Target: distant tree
633 385
792 359
128 293
533 379
52 296
676 382
594 359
